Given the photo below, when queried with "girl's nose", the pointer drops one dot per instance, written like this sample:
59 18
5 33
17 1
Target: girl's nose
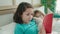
30 17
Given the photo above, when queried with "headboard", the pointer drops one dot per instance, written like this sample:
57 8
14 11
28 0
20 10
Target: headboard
7 11
6 16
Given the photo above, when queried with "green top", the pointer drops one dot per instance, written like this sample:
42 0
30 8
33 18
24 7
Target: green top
30 28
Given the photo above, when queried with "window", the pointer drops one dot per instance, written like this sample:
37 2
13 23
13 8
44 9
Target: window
57 7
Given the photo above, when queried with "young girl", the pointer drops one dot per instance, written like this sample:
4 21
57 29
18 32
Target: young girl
25 24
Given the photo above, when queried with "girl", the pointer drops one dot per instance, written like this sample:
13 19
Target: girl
25 24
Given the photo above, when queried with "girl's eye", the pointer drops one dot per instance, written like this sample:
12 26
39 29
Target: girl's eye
27 14
32 14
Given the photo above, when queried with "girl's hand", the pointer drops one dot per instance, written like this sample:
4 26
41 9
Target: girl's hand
42 30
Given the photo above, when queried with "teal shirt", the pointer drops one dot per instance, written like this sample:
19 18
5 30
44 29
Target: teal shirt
30 28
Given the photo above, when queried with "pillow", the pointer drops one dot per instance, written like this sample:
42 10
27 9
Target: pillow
6 19
8 29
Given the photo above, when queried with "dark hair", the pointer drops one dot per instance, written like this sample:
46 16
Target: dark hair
21 8
37 11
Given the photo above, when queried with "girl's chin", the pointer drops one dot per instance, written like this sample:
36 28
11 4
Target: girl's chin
27 21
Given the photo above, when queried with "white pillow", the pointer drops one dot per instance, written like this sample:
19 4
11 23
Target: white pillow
8 29
6 19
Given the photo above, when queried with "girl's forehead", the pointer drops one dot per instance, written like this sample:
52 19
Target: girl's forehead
29 10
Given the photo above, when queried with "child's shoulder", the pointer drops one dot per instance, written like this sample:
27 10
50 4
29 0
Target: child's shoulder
18 25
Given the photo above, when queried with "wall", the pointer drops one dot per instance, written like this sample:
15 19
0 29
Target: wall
5 4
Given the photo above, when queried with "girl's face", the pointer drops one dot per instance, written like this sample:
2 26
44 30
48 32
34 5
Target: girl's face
27 15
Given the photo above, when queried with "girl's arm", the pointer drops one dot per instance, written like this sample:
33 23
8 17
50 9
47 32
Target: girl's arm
42 30
40 26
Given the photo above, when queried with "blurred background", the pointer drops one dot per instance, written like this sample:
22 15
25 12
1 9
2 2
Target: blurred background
8 8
